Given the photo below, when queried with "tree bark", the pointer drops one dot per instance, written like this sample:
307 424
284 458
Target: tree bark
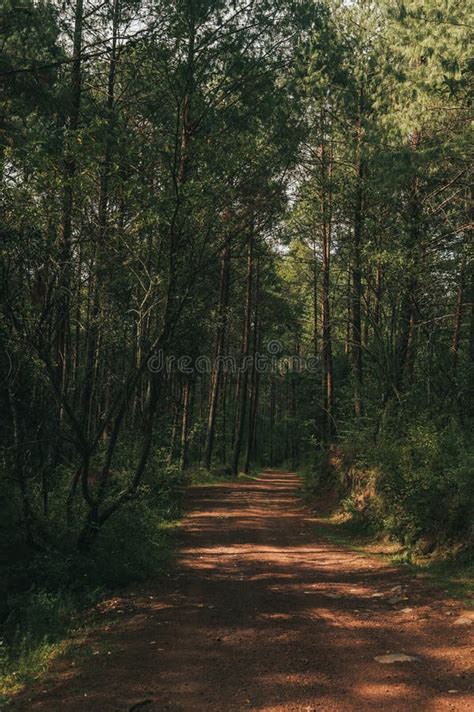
252 420
326 228
99 244
186 419
242 403
217 367
69 171
356 330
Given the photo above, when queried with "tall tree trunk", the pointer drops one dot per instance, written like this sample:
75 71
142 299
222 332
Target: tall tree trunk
378 297
100 243
326 229
272 417
458 314
19 466
293 408
223 454
403 341
405 346
368 313
411 350
174 431
243 395
356 331
216 375
470 388
186 418
471 324
348 325
69 171
254 379
315 303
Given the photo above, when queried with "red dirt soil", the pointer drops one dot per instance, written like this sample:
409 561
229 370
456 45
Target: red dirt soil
260 614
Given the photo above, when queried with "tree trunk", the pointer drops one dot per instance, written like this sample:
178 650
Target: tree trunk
356 330
378 297
186 417
216 375
315 303
348 325
272 418
326 225
69 170
458 314
100 243
242 403
254 379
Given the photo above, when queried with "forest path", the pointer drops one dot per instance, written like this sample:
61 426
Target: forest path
260 614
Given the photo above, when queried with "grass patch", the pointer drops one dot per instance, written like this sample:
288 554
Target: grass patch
217 475
454 576
214 476
254 478
453 572
49 625
32 662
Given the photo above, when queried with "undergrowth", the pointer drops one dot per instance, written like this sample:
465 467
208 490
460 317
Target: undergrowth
47 593
413 487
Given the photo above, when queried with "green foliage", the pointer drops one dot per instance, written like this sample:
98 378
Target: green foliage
200 475
415 483
426 482
319 474
46 593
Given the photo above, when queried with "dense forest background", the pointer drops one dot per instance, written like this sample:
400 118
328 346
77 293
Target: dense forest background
198 183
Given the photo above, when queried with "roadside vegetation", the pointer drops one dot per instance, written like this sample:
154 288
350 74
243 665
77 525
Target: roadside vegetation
408 499
48 594
234 235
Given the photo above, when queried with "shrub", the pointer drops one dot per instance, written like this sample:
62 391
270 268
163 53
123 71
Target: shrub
46 589
426 482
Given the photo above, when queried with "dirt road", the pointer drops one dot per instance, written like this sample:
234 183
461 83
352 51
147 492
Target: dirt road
260 614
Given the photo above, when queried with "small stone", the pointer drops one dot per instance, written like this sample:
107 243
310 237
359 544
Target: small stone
406 610
396 658
452 692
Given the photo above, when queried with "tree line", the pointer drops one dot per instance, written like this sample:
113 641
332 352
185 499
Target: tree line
212 178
